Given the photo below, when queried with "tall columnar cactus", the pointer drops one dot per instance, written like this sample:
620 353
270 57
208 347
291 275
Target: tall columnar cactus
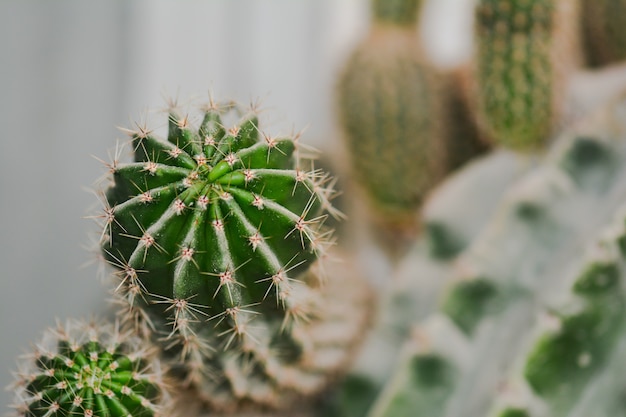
530 321
91 370
524 51
603 24
390 112
214 233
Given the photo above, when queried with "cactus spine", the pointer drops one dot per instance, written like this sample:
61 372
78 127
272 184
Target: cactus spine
214 233
524 50
90 369
388 106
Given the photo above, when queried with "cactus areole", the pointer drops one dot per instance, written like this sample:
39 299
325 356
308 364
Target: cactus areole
213 220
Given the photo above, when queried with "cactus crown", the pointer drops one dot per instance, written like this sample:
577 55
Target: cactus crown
396 12
88 370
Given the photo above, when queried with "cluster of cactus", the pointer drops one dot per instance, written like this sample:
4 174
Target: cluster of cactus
216 236
529 317
509 304
521 323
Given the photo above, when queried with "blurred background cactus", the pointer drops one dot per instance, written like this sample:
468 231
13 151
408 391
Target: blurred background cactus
490 167
394 108
525 51
390 108
530 315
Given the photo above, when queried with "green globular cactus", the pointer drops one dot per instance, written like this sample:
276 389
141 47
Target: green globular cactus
528 319
521 61
214 233
603 24
91 370
389 108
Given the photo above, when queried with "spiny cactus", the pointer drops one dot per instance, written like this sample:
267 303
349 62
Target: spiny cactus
90 370
603 24
524 51
390 111
214 233
531 320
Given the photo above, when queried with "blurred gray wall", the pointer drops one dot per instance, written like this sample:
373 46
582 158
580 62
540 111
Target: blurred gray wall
71 71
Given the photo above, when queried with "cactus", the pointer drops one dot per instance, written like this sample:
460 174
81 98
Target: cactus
450 224
90 369
214 233
530 316
217 233
524 53
602 23
389 109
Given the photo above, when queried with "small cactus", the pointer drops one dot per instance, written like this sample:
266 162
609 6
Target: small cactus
213 233
90 370
390 111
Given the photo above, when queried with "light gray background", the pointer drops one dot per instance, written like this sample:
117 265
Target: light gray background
71 71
